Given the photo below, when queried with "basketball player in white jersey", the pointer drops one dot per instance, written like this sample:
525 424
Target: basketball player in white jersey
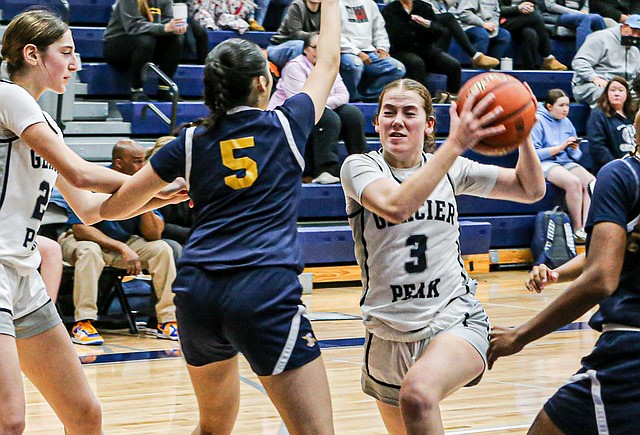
39 52
427 335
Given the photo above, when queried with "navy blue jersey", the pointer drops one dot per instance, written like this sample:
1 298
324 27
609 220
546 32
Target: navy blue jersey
245 182
616 199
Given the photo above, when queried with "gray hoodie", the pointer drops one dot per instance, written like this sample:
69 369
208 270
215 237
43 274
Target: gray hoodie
475 12
602 55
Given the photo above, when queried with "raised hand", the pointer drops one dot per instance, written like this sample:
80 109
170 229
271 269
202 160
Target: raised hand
539 277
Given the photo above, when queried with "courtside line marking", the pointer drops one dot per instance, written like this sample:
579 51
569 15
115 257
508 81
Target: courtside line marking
175 352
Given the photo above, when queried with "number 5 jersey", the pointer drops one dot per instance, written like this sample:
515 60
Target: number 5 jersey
26 179
413 269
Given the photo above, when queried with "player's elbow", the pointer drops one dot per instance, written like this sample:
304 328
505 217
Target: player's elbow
80 179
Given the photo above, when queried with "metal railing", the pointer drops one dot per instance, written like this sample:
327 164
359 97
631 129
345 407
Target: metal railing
173 91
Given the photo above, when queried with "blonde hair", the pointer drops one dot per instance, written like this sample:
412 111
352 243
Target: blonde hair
160 142
145 10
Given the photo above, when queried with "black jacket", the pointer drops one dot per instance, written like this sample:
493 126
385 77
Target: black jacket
404 33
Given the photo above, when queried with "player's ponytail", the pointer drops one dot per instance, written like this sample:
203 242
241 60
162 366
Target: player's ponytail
229 73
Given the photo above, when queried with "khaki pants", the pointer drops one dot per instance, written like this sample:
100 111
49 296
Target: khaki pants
89 260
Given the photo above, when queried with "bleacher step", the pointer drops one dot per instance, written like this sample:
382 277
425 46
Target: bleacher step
81 88
90 110
97 127
94 149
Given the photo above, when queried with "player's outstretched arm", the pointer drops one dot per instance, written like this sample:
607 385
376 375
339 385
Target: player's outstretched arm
87 205
324 73
541 276
77 171
598 281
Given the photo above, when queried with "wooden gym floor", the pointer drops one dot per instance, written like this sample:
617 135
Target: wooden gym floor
144 388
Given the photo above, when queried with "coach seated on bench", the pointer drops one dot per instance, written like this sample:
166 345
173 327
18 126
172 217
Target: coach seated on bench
132 244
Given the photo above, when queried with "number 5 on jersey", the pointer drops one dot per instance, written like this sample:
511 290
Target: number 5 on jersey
250 167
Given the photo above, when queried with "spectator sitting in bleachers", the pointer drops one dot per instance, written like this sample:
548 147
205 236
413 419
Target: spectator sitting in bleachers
615 11
602 57
133 244
528 31
481 22
238 15
414 33
574 15
196 39
610 128
451 28
365 64
339 120
262 6
137 34
558 147
302 18
178 218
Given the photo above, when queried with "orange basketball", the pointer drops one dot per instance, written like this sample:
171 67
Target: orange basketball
518 110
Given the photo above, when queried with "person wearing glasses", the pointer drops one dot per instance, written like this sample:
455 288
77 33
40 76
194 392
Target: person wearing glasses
339 120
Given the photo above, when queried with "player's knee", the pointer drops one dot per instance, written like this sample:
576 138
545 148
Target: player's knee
417 397
87 418
12 423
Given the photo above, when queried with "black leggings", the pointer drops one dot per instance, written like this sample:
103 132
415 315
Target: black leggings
432 60
452 29
531 36
131 52
346 122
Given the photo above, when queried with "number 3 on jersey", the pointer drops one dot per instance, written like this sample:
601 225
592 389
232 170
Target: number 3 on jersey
250 167
418 252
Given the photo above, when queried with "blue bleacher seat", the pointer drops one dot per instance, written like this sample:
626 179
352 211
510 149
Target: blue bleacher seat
151 124
88 41
260 38
578 113
189 111
81 11
539 81
333 244
103 79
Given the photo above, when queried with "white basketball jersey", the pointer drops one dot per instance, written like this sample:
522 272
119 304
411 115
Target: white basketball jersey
26 179
411 270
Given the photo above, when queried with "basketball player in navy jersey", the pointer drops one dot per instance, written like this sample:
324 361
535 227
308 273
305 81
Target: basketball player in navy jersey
427 334
603 397
237 288
38 50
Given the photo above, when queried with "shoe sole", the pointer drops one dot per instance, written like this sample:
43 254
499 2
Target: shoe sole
164 337
88 343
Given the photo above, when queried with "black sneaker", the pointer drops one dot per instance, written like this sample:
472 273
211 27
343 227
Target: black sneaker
140 96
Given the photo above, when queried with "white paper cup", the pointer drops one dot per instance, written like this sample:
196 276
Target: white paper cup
180 11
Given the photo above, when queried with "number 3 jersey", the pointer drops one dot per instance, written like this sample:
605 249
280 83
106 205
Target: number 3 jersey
411 270
26 179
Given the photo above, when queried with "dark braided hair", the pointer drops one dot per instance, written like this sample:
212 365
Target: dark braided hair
228 75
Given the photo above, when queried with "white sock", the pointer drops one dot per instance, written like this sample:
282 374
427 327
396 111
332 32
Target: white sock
477 55
551 56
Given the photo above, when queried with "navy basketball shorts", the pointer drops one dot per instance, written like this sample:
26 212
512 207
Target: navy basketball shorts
258 312
604 396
